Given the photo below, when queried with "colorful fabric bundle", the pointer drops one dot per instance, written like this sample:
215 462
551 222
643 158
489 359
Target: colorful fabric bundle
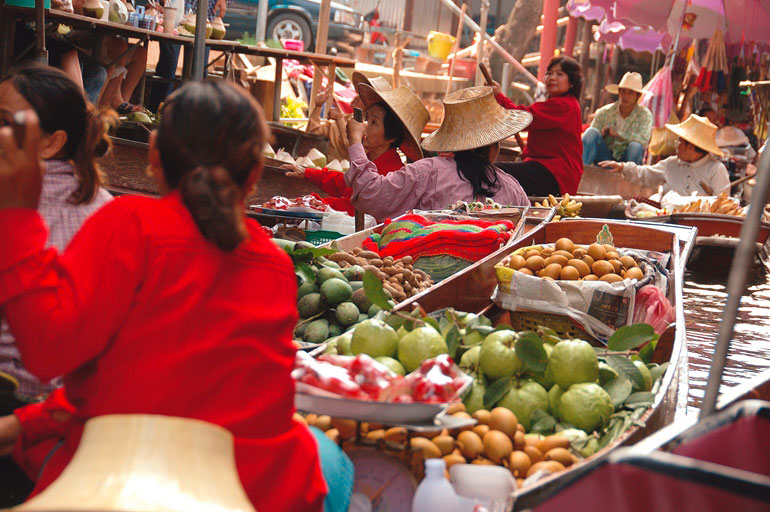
440 248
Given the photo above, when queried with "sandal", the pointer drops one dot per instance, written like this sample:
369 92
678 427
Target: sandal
128 108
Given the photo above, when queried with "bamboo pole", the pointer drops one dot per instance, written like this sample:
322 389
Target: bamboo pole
480 46
458 36
320 47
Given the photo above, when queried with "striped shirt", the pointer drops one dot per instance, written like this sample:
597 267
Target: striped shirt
63 220
681 177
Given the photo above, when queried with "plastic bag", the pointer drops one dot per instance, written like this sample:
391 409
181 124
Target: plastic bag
652 307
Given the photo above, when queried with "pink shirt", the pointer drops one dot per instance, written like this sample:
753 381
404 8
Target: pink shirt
427 184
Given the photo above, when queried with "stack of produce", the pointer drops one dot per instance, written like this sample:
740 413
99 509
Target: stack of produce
565 206
723 204
314 159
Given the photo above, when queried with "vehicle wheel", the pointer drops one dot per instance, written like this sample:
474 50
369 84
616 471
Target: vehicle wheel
290 26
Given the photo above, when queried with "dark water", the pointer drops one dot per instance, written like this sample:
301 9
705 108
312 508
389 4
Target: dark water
704 301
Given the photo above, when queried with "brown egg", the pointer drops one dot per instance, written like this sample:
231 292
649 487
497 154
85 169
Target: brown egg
617 265
504 420
602 267
526 271
634 273
628 261
556 258
566 254
612 255
548 465
560 455
535 455
481 430
581 266
588 260
497 446
535 263
445 444
610 278
569 274
591 277
553 271
482 416
429 450
579 252
548 443
452 459
519 440
564 244
396 435
597 252
519 463
530 253
517 262
470 444
546 251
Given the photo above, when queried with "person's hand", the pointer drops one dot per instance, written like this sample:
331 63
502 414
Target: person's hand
611 166
751 169
496 87
10 430
294 171
323 96
355 131
336 114
221 5
21 171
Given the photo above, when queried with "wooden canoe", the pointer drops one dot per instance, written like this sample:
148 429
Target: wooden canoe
471 290
598 181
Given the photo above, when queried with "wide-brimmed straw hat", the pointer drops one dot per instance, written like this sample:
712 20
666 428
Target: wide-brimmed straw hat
698 131
376 82
142 463
473 119
631 81
409 110
729 136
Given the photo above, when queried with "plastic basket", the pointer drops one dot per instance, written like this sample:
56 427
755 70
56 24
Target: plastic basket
564 326
321 237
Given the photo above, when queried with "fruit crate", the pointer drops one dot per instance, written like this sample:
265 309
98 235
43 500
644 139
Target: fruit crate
321 236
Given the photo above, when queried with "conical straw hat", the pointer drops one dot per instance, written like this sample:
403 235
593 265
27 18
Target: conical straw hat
698 131
631 80
409 110
377 82
138 463
473 119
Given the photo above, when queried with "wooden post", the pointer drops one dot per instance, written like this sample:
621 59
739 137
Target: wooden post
458 36
548 37
480 47
598 78
41 55
199 47
569 37
320 46
278 85
408 13
585 53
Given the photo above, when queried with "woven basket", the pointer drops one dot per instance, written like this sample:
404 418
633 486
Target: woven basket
564 326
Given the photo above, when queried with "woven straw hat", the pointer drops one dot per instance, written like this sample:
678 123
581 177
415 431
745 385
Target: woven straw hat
379 83
142 463
409 110
473 119
698 131
630 80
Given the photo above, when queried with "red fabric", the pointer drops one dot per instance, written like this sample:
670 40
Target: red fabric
553 138
333 182
464 245
142 315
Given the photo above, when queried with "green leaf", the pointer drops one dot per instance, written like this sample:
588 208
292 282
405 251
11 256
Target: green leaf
375 292
315 252
453 338
630 336
484 330
626 368
645 354
529 348
541 422
658 371
496 391
548 335
432 322
639 399
503 327
619 390
305 269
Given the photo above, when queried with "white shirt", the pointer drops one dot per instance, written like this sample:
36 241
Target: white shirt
679 176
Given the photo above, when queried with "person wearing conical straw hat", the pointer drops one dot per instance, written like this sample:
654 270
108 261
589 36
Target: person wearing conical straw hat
471 130
395 120
694 169
620 130
157 317
553 153
334 126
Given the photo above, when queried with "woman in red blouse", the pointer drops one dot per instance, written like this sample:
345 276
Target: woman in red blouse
553 158
178 306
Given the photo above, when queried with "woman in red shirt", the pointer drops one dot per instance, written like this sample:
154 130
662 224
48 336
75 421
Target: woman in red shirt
176 306
553 158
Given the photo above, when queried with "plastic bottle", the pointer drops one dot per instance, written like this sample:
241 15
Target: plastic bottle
435 493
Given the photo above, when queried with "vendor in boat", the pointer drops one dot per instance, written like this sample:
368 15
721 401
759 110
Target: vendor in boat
390 125
695 169
334 126
553 157
468 139
620 130
148 310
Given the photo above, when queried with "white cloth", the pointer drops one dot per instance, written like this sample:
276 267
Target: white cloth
681 177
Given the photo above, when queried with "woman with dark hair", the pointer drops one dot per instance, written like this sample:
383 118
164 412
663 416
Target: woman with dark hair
389 127
553 158
176 306
73 136
469 135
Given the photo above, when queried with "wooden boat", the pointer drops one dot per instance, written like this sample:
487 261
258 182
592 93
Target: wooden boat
598 181
471 291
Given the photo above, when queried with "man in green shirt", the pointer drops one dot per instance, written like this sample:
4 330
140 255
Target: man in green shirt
620 131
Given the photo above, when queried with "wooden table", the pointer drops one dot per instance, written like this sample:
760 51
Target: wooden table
9 15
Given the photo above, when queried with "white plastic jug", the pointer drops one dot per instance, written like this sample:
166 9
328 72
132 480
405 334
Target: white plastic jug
435 493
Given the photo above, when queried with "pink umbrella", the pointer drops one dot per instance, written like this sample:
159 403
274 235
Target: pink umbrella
658 96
